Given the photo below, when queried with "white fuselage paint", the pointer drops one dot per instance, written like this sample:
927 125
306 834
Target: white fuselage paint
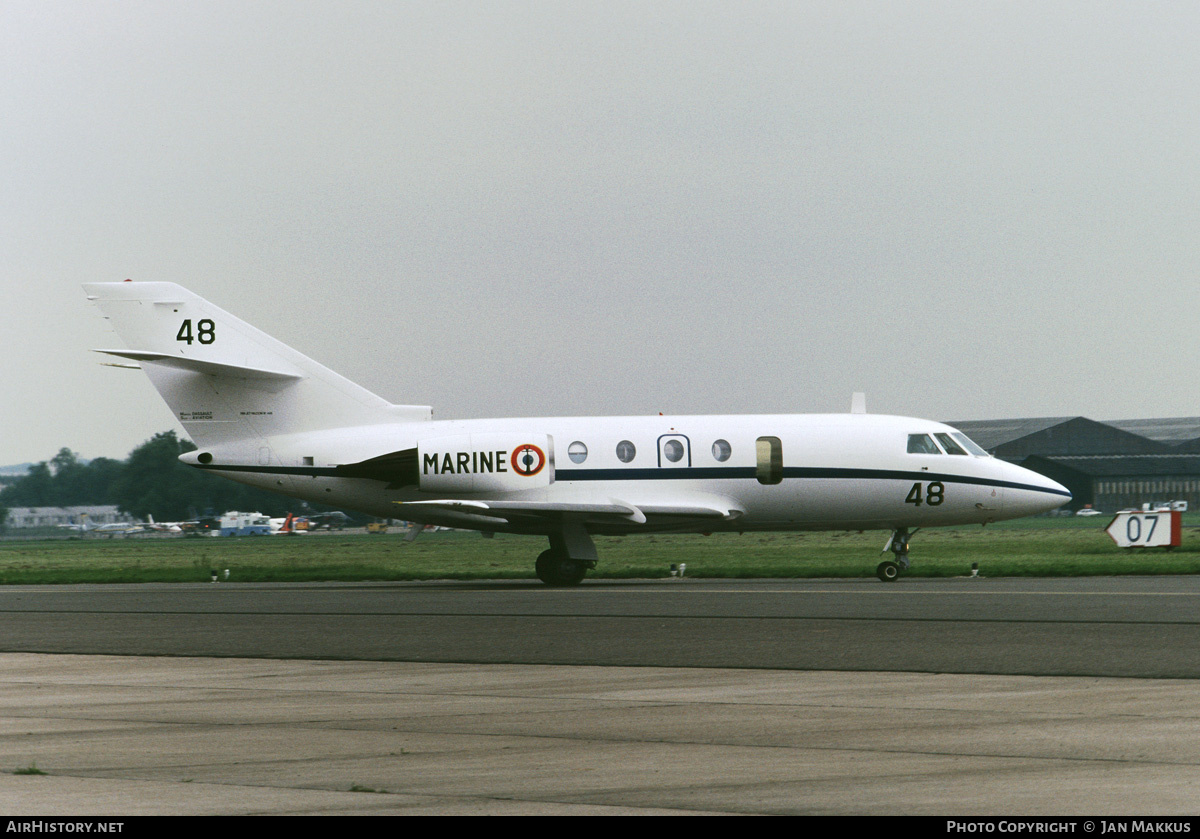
839 471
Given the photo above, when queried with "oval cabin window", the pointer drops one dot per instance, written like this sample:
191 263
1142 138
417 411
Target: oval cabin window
721 451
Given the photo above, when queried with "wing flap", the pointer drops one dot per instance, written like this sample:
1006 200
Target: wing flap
694 511
503 509
613 509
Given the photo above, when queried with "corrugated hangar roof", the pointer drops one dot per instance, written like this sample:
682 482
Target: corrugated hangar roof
1172 430
1015 439
993 433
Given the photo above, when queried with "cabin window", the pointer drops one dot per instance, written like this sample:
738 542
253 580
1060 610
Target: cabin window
626 451
769 452
721 451
577 451
922 444
673 451
949 445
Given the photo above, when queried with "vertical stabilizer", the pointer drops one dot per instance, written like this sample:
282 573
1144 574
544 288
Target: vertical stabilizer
225 380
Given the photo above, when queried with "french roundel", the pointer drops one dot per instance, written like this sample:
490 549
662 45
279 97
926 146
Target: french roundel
527 459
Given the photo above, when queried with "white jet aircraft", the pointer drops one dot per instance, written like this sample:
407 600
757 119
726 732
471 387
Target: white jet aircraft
266 415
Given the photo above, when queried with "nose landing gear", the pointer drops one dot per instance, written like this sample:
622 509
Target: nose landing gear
889 570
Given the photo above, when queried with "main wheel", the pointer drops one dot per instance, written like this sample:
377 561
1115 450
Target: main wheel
887 571
556 570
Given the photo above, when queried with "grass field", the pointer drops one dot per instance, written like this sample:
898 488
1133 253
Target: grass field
1030 547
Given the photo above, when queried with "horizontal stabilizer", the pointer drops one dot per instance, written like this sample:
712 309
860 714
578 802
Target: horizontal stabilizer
210 368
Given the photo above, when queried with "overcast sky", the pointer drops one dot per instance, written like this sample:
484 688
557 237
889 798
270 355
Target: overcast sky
966 210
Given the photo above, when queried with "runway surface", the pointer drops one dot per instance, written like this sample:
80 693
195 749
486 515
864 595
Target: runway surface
1132 626
1023 697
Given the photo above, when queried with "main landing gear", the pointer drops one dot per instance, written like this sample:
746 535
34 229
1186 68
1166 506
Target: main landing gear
889 570
571 554
554 569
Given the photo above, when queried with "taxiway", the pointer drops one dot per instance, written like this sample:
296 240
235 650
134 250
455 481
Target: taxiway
926 697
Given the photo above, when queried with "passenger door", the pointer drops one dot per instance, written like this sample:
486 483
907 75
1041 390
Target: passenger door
674 452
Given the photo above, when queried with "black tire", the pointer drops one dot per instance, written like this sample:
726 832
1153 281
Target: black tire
556 570
887 571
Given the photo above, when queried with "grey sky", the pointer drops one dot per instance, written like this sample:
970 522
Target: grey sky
966 210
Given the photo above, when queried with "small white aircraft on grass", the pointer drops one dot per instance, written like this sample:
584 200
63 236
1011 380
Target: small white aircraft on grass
266 415
169 526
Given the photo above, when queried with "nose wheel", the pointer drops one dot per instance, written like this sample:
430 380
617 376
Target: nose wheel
890 570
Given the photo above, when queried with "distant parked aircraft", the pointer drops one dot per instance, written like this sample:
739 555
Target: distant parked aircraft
111 529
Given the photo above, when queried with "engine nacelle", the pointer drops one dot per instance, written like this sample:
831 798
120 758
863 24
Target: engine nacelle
487 462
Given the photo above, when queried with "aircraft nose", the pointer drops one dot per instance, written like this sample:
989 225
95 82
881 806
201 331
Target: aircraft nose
1034 493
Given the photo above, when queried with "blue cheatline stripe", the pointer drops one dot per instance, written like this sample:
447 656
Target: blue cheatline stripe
796 472
696 473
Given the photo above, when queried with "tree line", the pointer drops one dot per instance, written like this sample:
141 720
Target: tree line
151 482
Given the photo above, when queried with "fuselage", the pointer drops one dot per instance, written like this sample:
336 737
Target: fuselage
759 472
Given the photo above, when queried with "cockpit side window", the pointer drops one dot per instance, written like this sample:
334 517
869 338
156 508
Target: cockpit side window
949 445
970 445
922 444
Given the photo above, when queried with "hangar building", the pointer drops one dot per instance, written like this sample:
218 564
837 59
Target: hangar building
1109 465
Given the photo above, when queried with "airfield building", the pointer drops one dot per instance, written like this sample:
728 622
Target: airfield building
21 518
1110 466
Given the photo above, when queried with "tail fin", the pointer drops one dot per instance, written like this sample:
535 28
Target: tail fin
225 380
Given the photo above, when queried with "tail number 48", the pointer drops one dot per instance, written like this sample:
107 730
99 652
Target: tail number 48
933 493
206 332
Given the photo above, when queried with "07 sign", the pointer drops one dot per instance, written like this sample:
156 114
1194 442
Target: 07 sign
205 332
1142 529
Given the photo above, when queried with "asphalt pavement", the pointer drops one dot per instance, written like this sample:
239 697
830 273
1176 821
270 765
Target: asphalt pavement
932 697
